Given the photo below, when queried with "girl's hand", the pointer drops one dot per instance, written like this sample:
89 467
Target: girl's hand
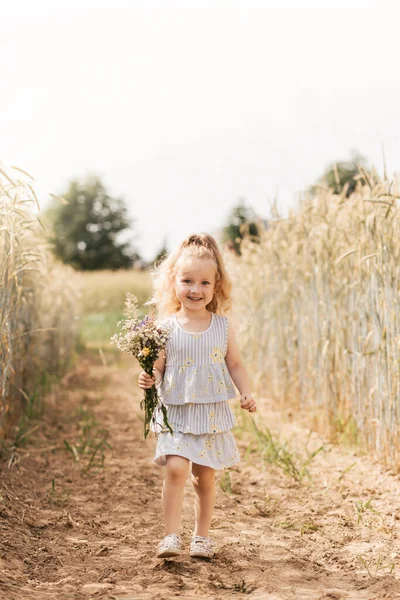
145 381
247 402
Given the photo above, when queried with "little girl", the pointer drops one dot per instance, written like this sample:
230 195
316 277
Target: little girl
194 378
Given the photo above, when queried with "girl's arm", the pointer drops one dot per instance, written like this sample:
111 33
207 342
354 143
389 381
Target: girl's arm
159 367
145 381
238 372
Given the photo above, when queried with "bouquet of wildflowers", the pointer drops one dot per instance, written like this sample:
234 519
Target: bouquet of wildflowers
144 339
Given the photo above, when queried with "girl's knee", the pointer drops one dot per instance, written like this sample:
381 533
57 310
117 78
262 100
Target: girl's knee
177 469
203 478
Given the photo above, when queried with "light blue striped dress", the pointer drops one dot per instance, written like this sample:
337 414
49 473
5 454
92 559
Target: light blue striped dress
195 388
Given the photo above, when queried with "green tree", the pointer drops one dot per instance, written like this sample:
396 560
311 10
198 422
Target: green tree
86 230
345 172
242 222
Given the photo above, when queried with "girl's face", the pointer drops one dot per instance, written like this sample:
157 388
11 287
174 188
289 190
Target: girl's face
195 283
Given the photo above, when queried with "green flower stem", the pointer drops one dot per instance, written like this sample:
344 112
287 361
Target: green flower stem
151 400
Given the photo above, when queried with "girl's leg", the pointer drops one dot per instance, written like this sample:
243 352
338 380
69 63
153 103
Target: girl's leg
203 479
177 470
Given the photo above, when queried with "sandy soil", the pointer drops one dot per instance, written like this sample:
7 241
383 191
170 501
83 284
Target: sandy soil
67 533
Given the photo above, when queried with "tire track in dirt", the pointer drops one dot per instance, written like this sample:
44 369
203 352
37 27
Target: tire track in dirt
277 539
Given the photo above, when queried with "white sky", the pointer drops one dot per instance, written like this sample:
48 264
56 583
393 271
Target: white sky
183 107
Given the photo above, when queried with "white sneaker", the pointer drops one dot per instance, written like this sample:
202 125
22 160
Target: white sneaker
170 546
202 547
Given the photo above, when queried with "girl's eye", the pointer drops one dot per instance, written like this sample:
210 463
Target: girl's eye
186 281
206 283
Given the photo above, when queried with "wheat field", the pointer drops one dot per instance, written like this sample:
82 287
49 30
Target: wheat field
38 305
319 297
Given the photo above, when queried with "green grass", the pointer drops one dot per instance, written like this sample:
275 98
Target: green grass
272 450
225 483
96 329
31 412
266 444
89 448
103 300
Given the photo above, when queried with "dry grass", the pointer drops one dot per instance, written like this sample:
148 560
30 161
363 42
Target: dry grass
319 297
38 305
105 291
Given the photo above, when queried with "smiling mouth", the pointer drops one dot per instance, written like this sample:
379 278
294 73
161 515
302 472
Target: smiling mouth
194 299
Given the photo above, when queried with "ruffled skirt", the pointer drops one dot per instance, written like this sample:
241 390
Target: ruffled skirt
201 433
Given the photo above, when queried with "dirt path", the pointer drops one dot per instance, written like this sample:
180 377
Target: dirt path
68 535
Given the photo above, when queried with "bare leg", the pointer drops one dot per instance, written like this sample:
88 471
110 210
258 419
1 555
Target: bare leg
203 479
177 470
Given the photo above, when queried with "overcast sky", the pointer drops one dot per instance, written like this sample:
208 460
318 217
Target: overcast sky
183 107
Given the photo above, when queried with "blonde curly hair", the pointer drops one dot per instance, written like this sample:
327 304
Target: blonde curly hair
201 246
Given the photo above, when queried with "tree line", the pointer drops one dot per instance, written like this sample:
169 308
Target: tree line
91 230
